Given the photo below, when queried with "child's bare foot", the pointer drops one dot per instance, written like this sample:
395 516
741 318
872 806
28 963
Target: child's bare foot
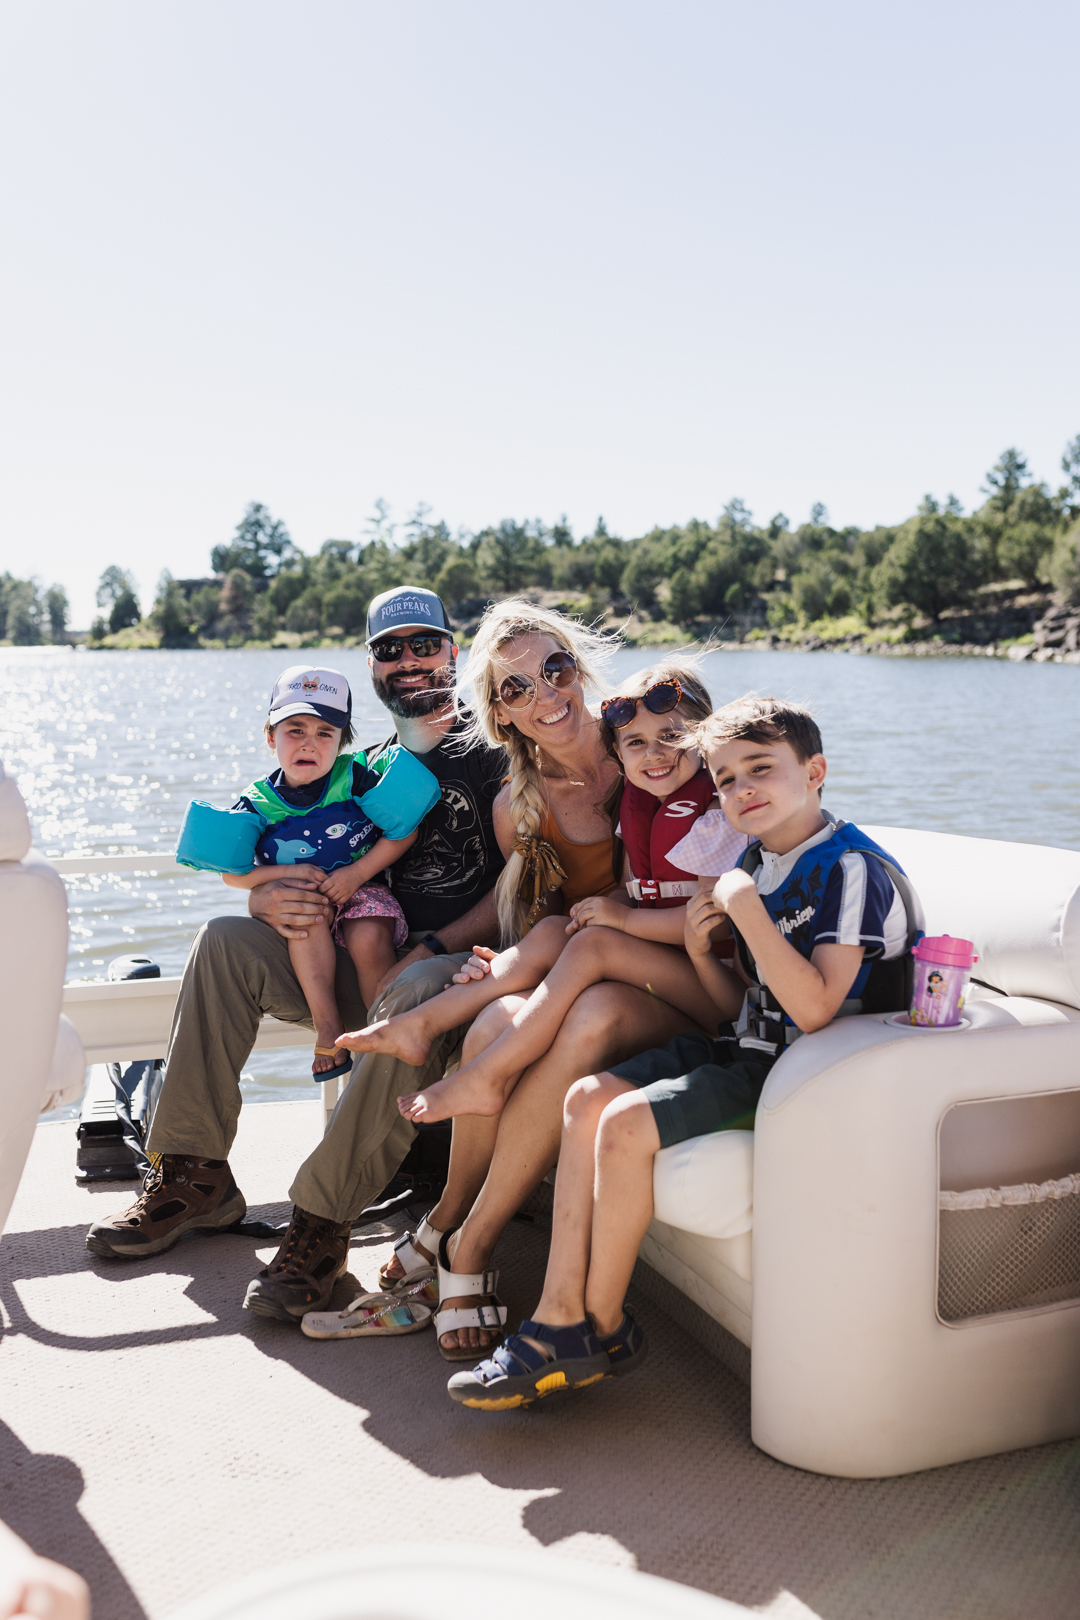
328 1035
405 1037
469 1091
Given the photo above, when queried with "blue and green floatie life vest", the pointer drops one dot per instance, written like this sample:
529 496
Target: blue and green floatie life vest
338 829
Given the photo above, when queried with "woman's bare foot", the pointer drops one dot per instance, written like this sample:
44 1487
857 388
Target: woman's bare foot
408 1037
464 1338
328 1035
469 1091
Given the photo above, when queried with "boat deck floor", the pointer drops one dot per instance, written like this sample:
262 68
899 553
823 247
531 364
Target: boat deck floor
161 1440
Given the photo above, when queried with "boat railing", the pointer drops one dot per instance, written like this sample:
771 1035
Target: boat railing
131 1019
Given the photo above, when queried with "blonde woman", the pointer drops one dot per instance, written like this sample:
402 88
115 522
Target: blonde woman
667 792
528 673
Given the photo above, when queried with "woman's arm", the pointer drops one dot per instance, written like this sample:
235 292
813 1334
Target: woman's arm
341 885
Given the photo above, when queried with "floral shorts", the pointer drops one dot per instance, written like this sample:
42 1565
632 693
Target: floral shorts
372 900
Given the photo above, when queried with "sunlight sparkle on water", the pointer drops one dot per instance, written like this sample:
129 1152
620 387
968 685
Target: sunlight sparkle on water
108 748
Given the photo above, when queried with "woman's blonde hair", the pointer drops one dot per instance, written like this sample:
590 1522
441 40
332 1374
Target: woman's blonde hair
476 701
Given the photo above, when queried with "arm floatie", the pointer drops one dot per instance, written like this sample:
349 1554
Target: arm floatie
213 840
405 792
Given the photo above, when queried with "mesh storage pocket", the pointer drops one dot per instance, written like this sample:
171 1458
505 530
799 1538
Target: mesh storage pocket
1008 1248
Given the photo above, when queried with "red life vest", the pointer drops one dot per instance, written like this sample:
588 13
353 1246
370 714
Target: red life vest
650 828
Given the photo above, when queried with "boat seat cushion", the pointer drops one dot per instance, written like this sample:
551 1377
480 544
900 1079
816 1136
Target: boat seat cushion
14 822
1020 903
706 1185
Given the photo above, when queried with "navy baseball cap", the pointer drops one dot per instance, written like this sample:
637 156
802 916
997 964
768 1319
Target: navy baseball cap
406 607
303 689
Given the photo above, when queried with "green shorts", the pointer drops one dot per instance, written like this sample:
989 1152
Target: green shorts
696 1085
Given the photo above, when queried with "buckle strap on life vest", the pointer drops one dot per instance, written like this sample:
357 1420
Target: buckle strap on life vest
768 1029
650 889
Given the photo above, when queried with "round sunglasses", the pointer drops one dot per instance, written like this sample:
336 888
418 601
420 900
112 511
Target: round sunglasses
390 648
659 699
558 671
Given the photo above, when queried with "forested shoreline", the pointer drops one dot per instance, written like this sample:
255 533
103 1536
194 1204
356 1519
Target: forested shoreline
1002 576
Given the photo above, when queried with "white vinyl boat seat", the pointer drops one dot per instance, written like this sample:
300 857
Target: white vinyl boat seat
43 1063
840 1239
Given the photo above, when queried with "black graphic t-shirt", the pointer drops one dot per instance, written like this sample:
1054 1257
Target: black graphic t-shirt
456 859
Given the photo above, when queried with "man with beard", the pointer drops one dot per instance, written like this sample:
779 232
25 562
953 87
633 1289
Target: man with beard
239 969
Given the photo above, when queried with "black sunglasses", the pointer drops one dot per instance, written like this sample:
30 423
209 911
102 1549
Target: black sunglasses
558 670
390 648
659 699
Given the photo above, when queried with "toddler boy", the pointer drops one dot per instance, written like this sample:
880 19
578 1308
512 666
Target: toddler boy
316 813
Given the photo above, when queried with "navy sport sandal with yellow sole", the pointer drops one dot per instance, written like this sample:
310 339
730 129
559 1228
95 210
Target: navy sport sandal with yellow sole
518 1373
626 1348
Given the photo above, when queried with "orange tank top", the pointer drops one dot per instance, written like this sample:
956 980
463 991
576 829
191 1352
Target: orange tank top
588 867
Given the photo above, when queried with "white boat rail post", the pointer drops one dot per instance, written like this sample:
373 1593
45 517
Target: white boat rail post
129 1019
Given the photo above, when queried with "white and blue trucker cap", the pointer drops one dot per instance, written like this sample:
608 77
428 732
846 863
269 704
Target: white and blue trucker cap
303 689
406 607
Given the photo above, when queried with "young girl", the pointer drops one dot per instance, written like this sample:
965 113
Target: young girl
666 796
320 806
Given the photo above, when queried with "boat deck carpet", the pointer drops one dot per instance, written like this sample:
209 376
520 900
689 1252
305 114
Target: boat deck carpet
161 1440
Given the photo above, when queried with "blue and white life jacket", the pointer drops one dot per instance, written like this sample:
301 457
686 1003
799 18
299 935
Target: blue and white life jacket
879 986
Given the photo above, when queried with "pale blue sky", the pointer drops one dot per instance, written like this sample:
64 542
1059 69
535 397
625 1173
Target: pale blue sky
520 259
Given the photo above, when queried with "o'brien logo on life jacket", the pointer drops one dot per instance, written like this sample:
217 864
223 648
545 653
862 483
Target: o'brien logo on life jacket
788 925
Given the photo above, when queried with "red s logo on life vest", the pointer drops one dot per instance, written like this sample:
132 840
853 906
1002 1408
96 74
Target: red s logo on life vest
681 807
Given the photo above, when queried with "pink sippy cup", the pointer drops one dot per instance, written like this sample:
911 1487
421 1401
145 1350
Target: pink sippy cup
942 969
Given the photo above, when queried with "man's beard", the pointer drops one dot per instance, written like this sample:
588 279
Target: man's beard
416 701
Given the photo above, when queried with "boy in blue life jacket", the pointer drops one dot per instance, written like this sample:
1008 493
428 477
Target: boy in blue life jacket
823 921
333 817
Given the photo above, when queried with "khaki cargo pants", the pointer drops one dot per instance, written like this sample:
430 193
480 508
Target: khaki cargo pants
238 970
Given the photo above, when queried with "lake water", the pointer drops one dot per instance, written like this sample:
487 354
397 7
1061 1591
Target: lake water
109 747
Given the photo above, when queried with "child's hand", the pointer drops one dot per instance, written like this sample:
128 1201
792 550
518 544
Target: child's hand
477 966
340 885
702 916
306 877
597 910
732 890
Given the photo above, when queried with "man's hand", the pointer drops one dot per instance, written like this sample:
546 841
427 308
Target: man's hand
733 890
702 916
419 953
292 905
599 911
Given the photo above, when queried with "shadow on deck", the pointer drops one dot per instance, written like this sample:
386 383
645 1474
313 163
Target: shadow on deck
162 1440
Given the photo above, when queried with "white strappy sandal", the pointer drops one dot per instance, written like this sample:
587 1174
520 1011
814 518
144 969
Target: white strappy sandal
491 1317
415 1266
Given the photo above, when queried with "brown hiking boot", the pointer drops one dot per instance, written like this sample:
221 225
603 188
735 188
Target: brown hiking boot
181 1195
301 1276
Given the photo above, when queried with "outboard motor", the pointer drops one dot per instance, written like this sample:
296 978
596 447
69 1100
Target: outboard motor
119 1102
